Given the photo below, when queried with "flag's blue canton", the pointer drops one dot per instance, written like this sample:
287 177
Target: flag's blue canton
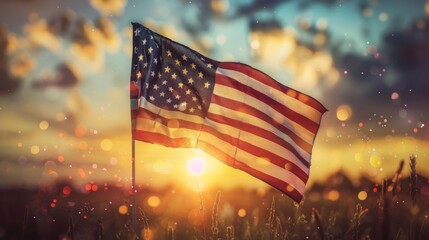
170 75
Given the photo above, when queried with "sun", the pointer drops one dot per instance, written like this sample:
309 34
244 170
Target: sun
196 166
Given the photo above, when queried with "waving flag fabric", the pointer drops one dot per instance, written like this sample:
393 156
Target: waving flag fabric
237 114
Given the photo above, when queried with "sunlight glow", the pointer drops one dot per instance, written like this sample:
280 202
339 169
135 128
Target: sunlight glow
196 166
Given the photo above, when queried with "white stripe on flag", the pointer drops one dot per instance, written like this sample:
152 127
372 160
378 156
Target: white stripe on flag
217 109
259 142
258 163
277 95
234 94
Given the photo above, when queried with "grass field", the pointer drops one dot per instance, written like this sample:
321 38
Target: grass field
336 209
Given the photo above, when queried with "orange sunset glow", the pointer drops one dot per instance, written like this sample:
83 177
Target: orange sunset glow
66 145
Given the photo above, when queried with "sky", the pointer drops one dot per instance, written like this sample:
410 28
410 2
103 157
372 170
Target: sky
65 69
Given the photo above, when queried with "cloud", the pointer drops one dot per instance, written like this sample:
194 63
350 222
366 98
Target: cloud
406 51
387 86
257 6
402 65
8 83
40 34
21 65
360 81
76 104
84 44
107 34
309 67
109 7
89 41
61 23
307 3
66 76
13 43
85 40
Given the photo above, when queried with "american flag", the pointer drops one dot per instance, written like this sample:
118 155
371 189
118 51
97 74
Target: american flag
237 114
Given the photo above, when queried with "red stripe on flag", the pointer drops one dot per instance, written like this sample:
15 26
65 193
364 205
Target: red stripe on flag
277 183
280 108
267 80
134 90
257 131
241 144
268 134
242 107
220 155
281 185
159 138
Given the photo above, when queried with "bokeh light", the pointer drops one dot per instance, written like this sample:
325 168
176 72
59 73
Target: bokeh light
362 195
80 131
153 201
94 187
394 96
344 112
50 166
43 125
196 166
66 190
60 158
35 149
123 209
333 195
375 160
241 212
383 17
106 144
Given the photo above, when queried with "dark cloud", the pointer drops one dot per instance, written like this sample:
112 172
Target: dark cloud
8 83
84 44
307 3
408 49
81 33
257 6
65 77
204 16
400 67
360 81
107 34
101 33
403 64
61 23
407 52
220 10
265 25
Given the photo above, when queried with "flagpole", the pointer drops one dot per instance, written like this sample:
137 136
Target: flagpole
134 191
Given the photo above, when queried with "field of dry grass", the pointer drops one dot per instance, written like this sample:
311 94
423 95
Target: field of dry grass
339 208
